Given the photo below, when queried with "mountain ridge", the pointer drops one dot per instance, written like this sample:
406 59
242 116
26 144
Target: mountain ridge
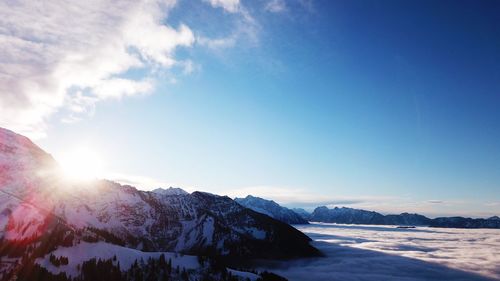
272 209
346 215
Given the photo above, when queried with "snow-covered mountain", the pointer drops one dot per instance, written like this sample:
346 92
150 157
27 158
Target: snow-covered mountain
272 209
39 207
303 213
461 222
407 219
357 216
346 215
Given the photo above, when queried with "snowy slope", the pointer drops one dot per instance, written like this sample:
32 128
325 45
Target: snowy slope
125 256
244 275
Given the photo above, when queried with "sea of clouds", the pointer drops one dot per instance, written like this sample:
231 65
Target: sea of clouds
361 252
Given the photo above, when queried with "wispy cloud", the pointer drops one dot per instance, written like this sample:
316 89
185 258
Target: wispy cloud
282 195
492 204
217 43
231 6
245 27
275 6
298 197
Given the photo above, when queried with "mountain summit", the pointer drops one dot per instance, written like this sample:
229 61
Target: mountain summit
170 191
272 209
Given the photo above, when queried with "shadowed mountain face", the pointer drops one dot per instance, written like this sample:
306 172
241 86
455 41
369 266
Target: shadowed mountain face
461 222
357 216
272 209
346 215
36 202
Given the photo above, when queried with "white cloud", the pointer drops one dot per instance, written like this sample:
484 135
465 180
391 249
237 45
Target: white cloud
231 6
492 204
246 28
357 252
189 67
217 43
72 53
119 87
275 6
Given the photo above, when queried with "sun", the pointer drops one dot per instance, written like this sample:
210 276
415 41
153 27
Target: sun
82 163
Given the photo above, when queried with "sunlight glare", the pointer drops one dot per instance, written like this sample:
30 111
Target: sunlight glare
82 163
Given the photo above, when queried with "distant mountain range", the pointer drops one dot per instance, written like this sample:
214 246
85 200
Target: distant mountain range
357 216
43 217
461 222
346 215
272 209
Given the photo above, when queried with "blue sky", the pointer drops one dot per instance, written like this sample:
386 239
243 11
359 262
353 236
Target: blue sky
387 105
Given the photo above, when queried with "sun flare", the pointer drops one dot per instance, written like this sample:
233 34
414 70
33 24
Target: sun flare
82 163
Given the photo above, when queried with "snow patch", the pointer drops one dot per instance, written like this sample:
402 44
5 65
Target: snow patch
257 233
208 230
244 275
